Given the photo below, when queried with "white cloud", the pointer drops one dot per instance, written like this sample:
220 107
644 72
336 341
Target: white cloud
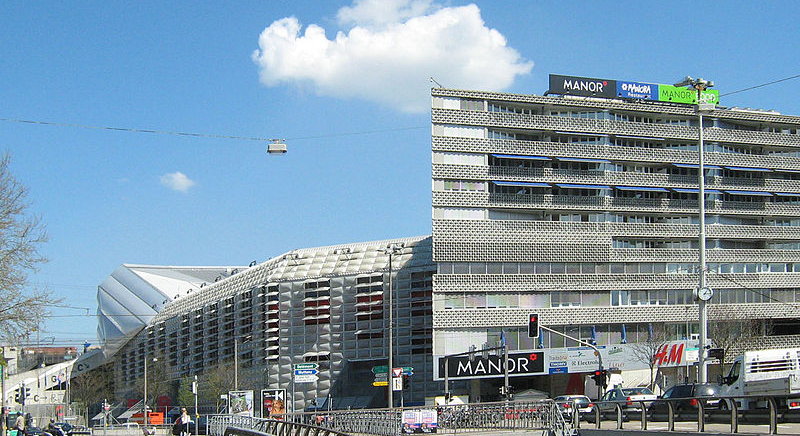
389 53
177 181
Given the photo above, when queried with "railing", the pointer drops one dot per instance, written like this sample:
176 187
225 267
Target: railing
450 419
700 410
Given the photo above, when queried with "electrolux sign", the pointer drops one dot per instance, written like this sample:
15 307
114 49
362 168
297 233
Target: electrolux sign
590 87
518 364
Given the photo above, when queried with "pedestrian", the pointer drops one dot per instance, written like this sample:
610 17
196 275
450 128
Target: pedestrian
185 420
19 424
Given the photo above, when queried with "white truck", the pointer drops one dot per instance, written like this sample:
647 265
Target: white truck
764 373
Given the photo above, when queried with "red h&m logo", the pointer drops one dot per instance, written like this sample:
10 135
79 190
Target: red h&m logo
669 354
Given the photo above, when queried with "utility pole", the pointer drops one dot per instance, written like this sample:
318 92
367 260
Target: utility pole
391 250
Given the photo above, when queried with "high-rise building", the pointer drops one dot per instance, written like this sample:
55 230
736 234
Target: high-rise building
582 208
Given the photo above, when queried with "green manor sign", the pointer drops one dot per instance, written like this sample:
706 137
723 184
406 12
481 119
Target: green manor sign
686 95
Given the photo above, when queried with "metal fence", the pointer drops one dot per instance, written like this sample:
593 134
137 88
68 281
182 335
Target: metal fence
450 419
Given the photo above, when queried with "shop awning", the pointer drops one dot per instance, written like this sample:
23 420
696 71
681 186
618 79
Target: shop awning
758 193
641 188
576 186
520 156
525 184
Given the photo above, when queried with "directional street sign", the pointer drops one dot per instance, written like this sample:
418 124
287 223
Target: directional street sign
305 371
306 366
305 378
380 383
408 370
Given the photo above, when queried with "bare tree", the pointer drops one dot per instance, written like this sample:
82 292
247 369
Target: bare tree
218 381
731 330
646 351
21 235
93 386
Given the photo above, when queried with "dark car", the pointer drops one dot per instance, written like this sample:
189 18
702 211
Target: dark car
630 400
684 398
70 429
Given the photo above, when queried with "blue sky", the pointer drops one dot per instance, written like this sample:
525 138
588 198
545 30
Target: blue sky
190 67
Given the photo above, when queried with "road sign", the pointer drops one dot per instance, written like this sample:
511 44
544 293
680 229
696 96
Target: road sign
382 377
384 369
306 366
397 383
380 383
396 372
305 371
305 378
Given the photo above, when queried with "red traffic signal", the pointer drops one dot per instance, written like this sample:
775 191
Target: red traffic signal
533 325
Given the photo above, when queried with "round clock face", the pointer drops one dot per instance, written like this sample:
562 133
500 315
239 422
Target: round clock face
705 293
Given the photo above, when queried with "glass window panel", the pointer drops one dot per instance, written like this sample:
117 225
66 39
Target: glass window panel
542 268
659 268
477 268
588 268
526 343
631 268
557 268
595 299
475 300
460 268
526 268
573 268
453 301
617 268
445 268
602 268
510 268
494 268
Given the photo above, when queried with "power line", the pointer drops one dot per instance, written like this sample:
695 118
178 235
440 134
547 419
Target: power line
203 135
761 85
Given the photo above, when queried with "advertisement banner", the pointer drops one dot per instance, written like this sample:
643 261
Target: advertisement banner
642 91
593 87
240 403
676 94
570 85
273 403
420 421
528 363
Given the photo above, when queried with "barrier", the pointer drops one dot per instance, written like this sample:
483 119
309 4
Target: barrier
463 418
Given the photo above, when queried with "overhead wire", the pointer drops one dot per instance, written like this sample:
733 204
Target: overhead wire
205 135
761 85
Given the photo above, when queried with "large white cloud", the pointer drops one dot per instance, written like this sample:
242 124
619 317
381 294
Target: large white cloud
177 181
389 53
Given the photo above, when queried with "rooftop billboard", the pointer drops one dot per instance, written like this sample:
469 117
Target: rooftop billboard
591 87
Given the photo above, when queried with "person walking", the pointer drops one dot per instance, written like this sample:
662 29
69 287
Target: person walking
185 419
19 424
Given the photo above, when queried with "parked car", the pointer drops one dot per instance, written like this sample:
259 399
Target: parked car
629 399
569 404
684 398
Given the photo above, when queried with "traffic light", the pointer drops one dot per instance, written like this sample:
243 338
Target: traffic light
17 396
600 377
533 325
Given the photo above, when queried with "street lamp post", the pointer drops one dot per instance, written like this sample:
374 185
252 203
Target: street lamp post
703 292
391 250
144 401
